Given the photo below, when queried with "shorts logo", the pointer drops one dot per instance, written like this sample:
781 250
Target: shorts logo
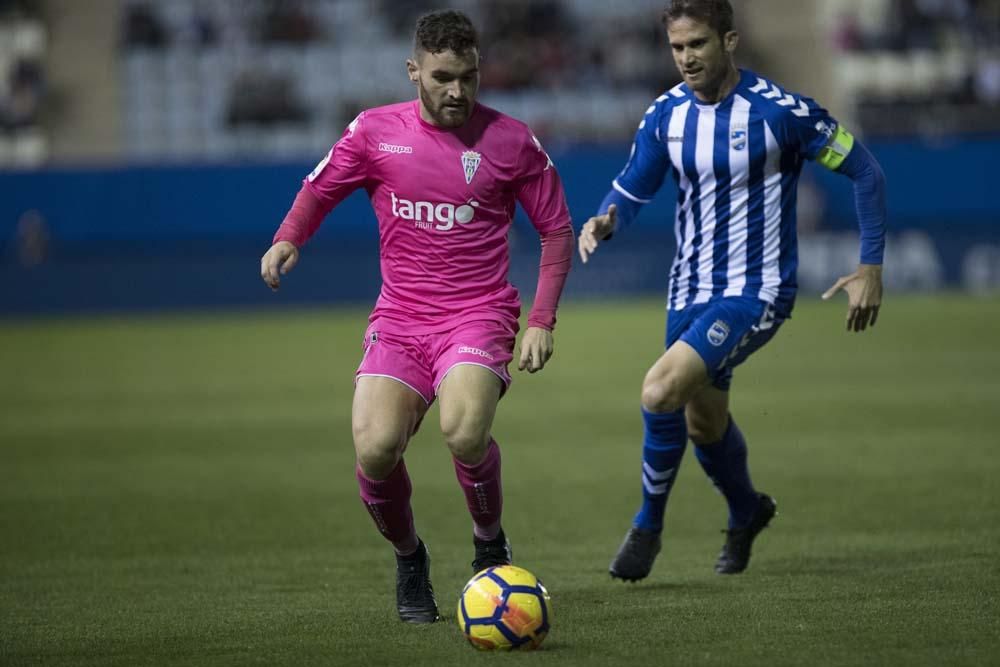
718 333
465 349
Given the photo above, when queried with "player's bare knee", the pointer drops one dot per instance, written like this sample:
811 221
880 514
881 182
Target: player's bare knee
466 440
377 464
377 449
662 395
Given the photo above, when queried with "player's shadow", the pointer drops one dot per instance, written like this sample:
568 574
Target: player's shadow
868 562
630 606
615 588
818 566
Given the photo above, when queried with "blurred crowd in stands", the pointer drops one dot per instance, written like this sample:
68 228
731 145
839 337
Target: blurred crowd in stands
22 83
920 66
292 72
223 79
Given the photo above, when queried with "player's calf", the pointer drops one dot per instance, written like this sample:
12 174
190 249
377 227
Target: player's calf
674 379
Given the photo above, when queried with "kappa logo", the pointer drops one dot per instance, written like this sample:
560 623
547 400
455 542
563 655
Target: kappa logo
392 148
541 150
465 349
428 215
470 163
718 333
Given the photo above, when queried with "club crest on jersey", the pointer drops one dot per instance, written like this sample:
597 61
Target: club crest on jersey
470 162
738 139
718 333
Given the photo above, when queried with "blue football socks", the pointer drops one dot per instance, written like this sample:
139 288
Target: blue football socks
662 449
725 462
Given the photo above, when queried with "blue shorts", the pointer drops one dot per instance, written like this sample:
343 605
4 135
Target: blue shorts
724 332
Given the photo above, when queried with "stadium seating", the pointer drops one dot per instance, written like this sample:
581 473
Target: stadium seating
23 37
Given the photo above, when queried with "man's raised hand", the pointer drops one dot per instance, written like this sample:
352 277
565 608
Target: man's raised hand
596 230
864 295
276 262
536 349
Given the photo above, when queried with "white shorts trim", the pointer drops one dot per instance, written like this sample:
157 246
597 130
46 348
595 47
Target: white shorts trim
393 377
503 380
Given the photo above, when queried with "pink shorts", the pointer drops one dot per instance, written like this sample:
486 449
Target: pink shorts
421 362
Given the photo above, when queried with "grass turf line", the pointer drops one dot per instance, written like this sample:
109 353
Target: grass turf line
179 490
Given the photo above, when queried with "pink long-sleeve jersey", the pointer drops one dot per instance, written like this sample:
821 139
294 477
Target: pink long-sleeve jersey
444 200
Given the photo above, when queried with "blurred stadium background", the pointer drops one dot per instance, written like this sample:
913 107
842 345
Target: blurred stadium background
174 438
176 133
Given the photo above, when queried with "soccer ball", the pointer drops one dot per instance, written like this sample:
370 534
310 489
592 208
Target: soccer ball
503 608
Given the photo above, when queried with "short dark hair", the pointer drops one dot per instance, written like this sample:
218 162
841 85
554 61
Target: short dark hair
717 14
445 30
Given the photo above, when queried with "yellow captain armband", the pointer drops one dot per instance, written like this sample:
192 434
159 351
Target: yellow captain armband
835 152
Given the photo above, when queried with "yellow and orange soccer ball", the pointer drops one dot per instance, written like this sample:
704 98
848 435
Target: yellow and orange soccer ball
503 608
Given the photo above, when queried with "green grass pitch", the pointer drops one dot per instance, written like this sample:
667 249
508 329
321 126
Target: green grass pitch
180 490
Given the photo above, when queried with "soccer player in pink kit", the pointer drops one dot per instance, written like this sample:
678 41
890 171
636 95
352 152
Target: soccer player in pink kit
443 174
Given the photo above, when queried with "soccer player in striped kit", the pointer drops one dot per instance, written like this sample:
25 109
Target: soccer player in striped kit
734 143
444 174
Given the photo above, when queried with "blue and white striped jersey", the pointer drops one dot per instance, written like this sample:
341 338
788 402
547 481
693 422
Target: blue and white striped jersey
736 164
